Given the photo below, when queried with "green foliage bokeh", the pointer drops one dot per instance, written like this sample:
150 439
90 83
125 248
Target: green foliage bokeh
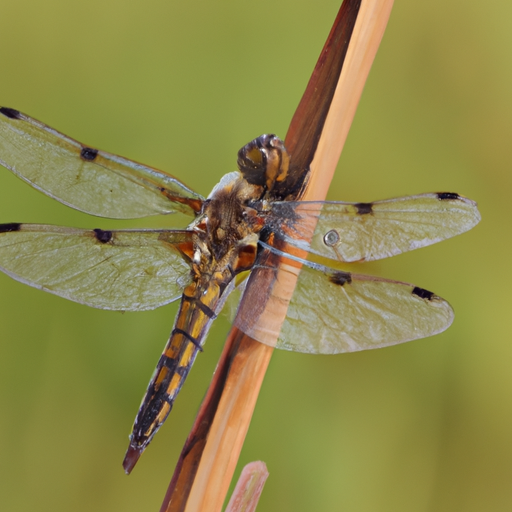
182 86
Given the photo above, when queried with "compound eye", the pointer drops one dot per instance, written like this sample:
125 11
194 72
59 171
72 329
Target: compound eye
252 161
264 161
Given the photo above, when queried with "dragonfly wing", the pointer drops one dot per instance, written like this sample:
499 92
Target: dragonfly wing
352 232
130 270
332 311
84 178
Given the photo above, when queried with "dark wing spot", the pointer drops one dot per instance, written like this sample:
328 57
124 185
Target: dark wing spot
11 226
103 236
364 208
88 153
442 196
422 293
340 278
10 113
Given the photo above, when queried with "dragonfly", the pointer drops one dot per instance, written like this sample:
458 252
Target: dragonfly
249 214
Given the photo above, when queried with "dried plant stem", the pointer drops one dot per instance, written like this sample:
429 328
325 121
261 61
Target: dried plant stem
248 489
366 38
210 455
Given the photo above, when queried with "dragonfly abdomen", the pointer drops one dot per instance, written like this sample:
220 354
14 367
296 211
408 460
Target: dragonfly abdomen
197 310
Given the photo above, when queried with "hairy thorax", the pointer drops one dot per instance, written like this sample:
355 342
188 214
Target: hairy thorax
227 230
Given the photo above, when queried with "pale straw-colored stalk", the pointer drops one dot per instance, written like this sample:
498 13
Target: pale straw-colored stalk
208 461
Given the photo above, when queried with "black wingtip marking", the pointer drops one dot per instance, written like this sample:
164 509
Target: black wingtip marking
443 196
88 154
364 208
11 226
422 293
340 278
103 236
11 113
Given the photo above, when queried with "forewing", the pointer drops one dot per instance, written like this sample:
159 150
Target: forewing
369 231
84 178
131 270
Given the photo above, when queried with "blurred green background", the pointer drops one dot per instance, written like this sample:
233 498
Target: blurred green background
424 426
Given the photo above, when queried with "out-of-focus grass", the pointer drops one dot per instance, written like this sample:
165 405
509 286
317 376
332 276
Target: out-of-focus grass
181 86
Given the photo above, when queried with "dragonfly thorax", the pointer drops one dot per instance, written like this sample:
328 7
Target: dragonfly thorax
228 228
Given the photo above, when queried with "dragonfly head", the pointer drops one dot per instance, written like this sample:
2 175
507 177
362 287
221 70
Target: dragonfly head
264 161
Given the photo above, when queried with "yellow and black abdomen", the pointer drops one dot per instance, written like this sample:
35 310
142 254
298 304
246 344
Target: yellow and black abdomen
197 310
